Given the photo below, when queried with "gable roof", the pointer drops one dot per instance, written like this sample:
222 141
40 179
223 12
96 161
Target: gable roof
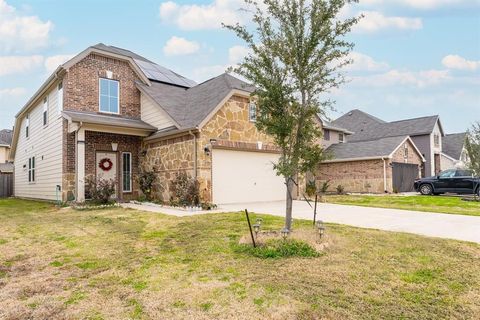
367 127
189 107
373 149
6 137
452 144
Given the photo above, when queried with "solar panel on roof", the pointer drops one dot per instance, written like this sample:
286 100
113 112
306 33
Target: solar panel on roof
155 72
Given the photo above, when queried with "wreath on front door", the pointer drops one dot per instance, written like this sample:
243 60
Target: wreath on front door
105 164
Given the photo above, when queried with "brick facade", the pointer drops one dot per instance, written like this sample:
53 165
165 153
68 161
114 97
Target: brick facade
365 175
81 85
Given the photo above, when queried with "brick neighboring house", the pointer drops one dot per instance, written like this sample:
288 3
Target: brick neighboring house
110 113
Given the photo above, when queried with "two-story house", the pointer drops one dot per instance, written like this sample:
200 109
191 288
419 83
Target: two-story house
5 142
110 113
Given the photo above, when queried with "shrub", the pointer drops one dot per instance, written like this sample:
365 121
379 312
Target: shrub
325 186
100 190
279 248
145 181
185 190
340 189
311 188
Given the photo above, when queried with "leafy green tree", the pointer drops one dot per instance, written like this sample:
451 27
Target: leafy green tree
473 147
297 49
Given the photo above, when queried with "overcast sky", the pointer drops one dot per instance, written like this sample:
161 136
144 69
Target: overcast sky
412 57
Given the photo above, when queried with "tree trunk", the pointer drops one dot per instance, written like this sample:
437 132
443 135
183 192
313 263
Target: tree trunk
288 213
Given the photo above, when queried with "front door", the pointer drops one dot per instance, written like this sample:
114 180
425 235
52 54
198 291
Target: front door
106 167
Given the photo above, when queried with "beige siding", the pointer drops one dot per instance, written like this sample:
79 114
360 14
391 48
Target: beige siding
446 163
4 152
152 114
45 143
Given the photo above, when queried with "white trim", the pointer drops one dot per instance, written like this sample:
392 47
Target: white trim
60 98
447 156
109 96
45 111
130 173
221 104
414 146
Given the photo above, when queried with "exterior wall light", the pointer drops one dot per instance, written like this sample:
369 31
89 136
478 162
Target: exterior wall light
114 146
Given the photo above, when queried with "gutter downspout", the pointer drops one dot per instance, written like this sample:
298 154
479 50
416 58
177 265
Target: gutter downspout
195 175
384 175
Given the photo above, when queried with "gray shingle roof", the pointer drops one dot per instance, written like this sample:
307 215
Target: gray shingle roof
367 127
6 136
365 149
188 107
452 144
101 119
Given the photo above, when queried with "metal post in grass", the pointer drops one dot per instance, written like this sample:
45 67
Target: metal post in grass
250 227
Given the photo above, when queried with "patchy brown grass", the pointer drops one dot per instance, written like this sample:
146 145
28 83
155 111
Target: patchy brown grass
125 264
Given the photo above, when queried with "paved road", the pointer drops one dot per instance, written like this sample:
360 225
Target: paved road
441 225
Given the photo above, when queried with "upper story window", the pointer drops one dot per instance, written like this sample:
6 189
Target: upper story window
252 112
326 134
436 140
341 137
60 98
109 96
27 125
405 151
45 111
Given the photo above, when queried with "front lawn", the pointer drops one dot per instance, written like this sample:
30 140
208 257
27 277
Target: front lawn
441 204
126 264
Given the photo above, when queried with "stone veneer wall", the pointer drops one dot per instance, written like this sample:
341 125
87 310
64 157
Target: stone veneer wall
81 85
230 126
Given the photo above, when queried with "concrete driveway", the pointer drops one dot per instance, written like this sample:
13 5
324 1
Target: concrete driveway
441 225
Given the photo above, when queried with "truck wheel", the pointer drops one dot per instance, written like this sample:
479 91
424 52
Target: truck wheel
426 189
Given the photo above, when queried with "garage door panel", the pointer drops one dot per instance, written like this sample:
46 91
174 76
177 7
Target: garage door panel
241 176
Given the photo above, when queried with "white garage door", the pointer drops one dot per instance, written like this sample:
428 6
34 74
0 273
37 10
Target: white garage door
241 176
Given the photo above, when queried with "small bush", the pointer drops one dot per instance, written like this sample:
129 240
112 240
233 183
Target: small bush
185 190
340 189
279 248
311 188
145 181
325 186
101 190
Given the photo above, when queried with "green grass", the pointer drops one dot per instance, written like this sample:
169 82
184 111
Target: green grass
128 264
441 204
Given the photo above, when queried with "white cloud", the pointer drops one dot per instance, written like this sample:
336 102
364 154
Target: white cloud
237 53
176 46
19 64
421 4
363 62
205 16
20 32
453 61
12 92
51 63
201 74
394 77
374 21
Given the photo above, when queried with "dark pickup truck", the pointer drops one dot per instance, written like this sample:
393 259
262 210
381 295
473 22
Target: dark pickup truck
459 181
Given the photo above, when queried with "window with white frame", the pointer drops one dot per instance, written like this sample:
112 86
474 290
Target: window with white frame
326 134
45 111
127 172
340 137
405 152
436 140
27 125
60 98
109 95
31 169
252 112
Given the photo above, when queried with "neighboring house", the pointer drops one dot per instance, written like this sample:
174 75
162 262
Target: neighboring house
425 132
5 143
454 153
110 113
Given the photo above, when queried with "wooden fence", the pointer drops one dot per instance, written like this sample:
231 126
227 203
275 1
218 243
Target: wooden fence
6 185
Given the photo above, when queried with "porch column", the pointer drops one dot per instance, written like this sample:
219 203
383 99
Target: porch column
81 165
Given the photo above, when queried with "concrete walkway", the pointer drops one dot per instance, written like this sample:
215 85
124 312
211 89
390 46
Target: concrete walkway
441 225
